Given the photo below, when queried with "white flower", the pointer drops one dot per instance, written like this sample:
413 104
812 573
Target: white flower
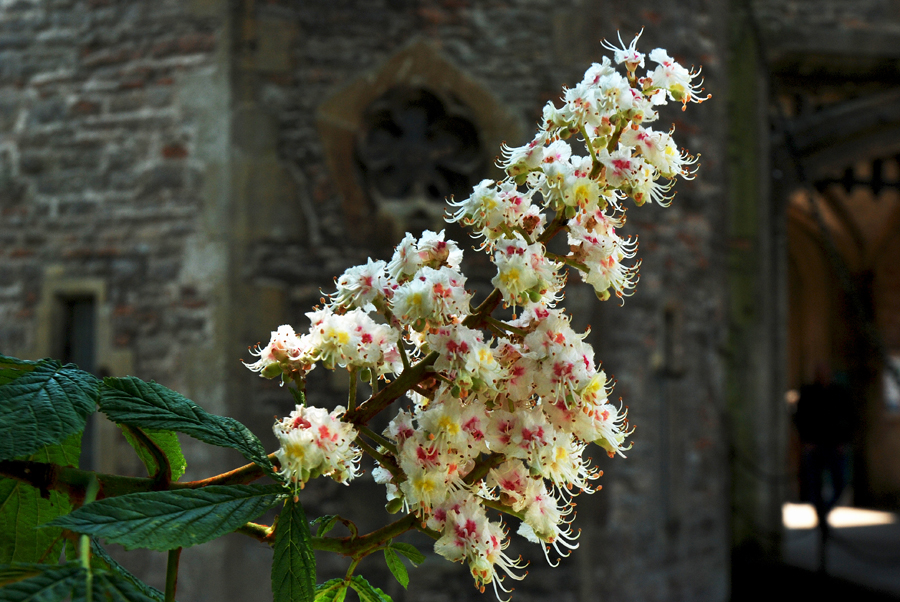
627 54
673 78
315 442
286 353
524 273
360 286
431 297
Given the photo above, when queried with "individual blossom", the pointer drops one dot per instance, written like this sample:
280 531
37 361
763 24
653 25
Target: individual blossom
430 250
494 210
352 339
627 54
286 353
525 274
546 523
658 149
561 462
521 434
510 480
432 471
671 78
595 245
590 417
465 356
468 536
362 287
315 442
431 297
519 161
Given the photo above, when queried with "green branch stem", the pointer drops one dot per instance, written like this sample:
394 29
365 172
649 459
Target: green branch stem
482 467
554 227
379 439
74 482
388 463
503 508
351 395
507 328
590 147
172 574
568 261
164 469
392 392
403 357
347 546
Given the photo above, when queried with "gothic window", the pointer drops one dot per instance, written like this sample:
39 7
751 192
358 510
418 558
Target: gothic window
414 145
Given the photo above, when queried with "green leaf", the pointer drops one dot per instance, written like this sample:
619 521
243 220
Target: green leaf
109 587
294 564
98 553
51 584
12 368
167 441
396 566
368 592
414 555
297 394
150 405
11 573
326 524
43 407
22 509
333 590
164 520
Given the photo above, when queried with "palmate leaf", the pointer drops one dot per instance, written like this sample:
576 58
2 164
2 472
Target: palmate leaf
396 567
12 368
11 573
333 590
408 550
44 406
326 524
368 592
294 564
49 583
109 587
22 509
150 405
167 441
164 520
98 554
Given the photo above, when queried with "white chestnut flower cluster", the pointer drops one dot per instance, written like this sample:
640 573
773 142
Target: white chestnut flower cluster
503 412
608 112
315 442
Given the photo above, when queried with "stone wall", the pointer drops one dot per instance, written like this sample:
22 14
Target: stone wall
112 117
169 155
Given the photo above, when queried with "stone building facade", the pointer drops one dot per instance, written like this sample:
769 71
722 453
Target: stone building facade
192 173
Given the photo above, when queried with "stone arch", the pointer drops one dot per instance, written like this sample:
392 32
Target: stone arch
842 148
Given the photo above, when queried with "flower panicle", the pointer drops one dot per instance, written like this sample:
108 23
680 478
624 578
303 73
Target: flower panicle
504 410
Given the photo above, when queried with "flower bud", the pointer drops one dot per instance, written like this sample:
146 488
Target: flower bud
394 506
271 371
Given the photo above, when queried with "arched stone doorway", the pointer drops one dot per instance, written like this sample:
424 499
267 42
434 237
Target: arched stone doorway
843 226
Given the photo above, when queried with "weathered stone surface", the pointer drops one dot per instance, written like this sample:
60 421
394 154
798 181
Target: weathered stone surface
174 151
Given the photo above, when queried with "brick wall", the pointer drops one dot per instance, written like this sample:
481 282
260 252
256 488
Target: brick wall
100 173
106 152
